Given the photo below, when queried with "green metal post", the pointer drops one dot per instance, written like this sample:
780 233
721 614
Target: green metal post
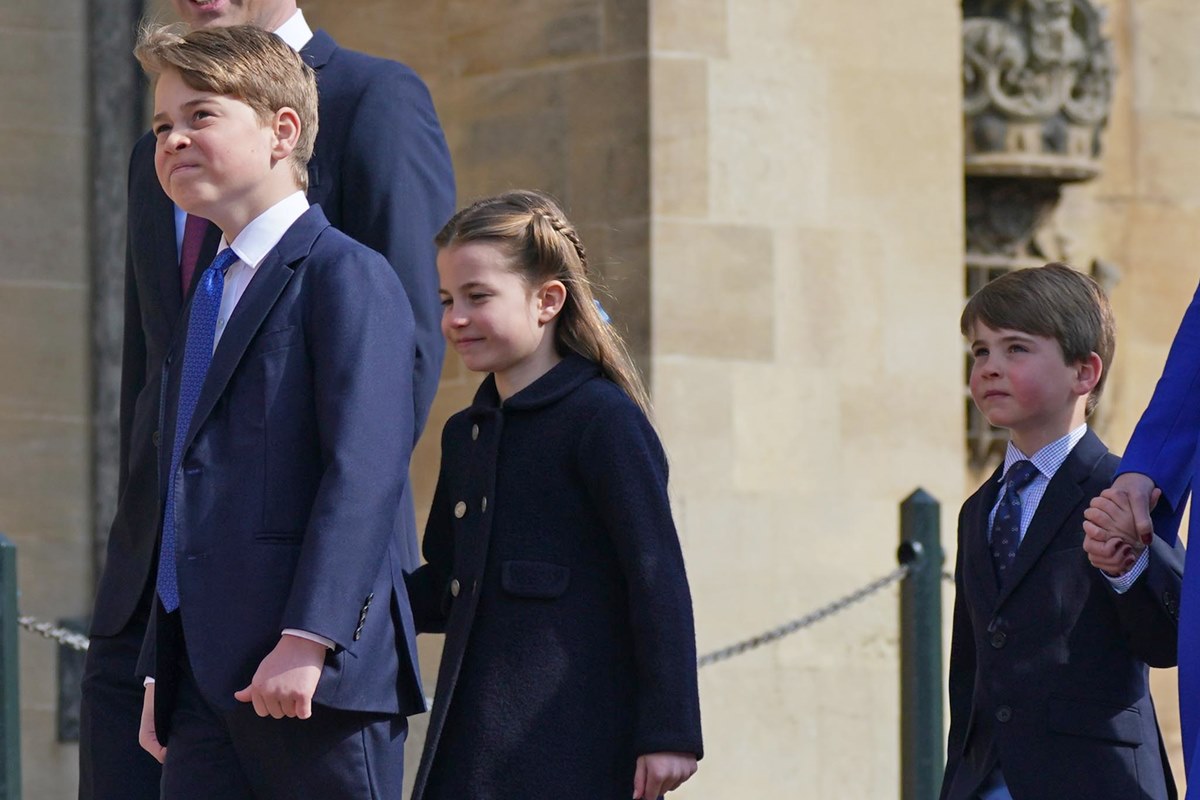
922 739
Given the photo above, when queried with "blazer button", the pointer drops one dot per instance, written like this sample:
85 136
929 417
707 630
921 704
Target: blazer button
155 438
474 432
1003 714
999 639
454 587
460 509
483 505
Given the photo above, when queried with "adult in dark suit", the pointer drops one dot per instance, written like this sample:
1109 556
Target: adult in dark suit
381 172
1048 673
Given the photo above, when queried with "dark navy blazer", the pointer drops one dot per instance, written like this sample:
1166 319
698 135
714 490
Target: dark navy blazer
380 171
1048 674
288 494
556 573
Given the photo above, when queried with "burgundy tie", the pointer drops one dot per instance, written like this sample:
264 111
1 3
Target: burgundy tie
193 237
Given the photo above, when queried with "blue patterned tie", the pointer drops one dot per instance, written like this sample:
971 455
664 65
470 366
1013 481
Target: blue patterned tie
197 355
1006 525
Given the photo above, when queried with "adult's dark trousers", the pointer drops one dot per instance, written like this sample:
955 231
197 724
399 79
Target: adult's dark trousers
112 765
233 754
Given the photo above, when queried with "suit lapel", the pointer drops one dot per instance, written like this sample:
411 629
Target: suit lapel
978 558
269 281
1063 496
164 255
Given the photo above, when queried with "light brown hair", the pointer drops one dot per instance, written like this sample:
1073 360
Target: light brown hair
1054 301
243 62
542 245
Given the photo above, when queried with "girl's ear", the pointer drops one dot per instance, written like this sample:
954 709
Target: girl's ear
1087 373
550 299
285 124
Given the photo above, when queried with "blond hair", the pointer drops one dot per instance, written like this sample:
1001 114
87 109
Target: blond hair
543 246
243 62
1054 301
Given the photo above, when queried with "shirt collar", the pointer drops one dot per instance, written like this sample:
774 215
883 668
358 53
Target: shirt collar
1049 458
295 31
264 231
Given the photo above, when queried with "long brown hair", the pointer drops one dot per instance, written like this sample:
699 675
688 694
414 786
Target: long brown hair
543 245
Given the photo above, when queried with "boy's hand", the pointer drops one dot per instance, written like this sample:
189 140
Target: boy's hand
1113 555
1124 509
659 773
285 681
147 737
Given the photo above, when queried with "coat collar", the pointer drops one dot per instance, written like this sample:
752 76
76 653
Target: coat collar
562 379
319 49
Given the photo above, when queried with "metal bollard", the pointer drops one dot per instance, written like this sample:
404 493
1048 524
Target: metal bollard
10 709
922 738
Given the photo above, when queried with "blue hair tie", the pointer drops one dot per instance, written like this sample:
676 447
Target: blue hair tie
603 314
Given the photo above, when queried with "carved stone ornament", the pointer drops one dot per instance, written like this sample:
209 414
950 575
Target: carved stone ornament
1037 86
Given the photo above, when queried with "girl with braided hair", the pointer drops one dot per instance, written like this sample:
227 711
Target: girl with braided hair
553 565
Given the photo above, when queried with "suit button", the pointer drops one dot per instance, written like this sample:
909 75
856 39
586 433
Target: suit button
1003 714
460 509
483 505
154 438
999 639
474 432
454 588
1171 604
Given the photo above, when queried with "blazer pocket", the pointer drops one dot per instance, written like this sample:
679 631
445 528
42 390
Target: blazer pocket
537 580
279 537
272 340
1110 723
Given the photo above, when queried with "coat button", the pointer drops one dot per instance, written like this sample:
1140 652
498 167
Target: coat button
155 438
474 432
454 588
483 505
1003 714
460 509
999 639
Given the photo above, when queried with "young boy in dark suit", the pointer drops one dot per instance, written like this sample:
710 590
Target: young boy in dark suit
281 642
1048 667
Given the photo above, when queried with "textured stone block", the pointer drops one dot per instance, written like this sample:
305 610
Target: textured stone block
43 350
713 286
679 154
697 27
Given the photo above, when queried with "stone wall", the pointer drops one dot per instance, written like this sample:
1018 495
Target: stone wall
44 329
806 279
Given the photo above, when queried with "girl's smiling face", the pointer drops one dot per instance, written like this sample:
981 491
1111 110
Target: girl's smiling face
493 318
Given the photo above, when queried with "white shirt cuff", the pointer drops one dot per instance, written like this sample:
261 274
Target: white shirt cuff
312 637
1122 583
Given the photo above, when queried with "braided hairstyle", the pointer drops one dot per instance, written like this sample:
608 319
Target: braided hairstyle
543 245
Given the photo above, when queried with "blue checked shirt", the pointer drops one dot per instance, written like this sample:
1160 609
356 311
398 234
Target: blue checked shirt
1048 460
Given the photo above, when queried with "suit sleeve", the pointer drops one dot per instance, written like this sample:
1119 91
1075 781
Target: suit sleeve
359 334
133 355
962 671
1149 610
399 193
625 471
429 585
1164 442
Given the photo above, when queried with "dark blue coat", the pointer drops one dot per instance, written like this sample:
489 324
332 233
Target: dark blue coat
1048 673
380 172
288 495
556 573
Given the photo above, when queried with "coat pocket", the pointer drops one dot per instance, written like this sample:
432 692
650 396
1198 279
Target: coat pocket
534 579
1110 723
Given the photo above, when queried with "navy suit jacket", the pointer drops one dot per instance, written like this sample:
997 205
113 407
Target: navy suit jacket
1048 673
288 495
381 172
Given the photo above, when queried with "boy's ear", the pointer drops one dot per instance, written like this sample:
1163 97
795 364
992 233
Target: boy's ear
285 124
551 297
1087 373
